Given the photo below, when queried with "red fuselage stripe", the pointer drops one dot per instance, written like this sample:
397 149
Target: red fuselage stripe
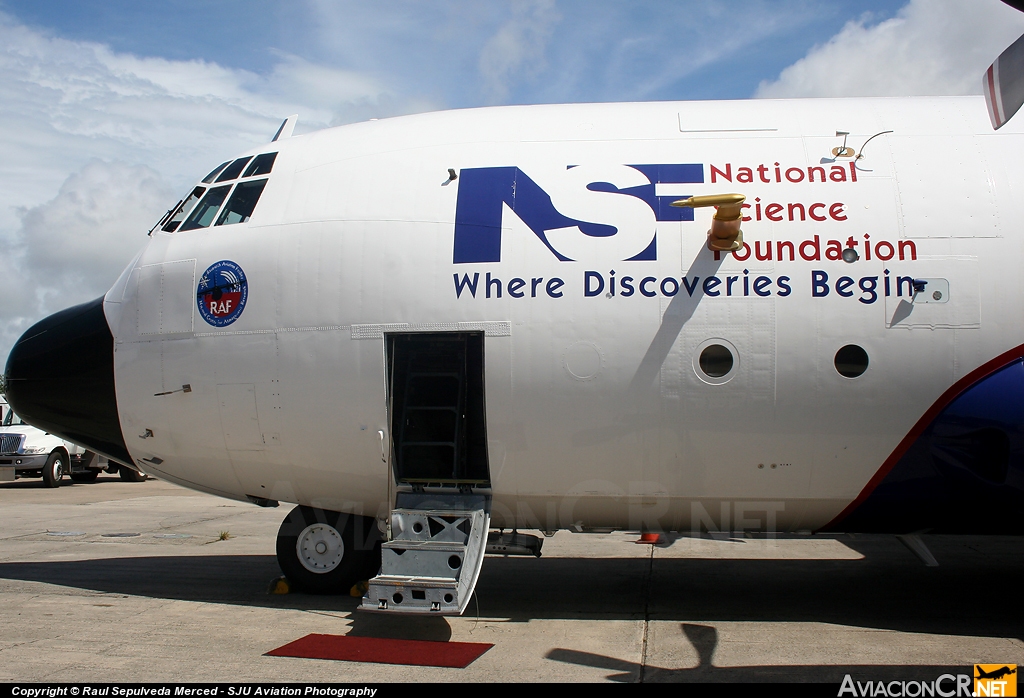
952 393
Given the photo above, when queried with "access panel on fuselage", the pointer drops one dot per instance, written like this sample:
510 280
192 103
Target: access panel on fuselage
436 389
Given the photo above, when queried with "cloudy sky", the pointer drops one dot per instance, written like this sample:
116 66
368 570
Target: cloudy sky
110 109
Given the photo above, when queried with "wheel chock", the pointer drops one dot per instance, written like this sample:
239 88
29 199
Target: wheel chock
359 589
279 586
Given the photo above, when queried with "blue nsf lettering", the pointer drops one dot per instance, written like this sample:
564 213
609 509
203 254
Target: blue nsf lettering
483 192
867 286
866 289
594 284
516 288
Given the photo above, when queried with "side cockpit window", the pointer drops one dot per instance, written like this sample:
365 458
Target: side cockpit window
216 171
262 165
203 214
233 170
242 202
183 210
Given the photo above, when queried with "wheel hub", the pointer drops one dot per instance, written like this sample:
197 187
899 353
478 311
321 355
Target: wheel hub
320 548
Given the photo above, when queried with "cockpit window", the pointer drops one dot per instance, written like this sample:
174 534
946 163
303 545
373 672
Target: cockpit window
242 202
203 214
183 209
261 165
233 170
209 178
199 211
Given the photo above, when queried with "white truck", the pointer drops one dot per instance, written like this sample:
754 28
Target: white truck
26 451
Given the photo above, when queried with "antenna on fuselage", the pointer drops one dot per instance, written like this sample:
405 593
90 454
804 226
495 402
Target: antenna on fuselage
287 126
843 151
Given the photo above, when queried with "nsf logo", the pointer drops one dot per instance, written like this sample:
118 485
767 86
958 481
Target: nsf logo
995 680
593 213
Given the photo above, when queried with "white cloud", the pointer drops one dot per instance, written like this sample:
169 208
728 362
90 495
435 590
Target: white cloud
75 244
516 50
97 144
931 47
71 248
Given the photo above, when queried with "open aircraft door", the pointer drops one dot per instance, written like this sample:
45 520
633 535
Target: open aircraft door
437 530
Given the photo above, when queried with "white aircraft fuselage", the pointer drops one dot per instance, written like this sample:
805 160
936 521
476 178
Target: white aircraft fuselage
595 299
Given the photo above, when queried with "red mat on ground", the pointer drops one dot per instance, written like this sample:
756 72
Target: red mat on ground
457 655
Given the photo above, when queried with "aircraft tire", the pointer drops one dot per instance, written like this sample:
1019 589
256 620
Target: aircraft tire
53 471
129 475
325 552
88 476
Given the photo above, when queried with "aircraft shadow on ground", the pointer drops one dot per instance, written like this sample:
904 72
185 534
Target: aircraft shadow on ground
953 599
704 639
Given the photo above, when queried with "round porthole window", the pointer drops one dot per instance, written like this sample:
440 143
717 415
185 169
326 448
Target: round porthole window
715 361
851 361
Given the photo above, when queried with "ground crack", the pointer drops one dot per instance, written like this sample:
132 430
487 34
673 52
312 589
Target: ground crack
647 614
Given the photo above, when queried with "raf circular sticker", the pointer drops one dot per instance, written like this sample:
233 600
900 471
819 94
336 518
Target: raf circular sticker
222 293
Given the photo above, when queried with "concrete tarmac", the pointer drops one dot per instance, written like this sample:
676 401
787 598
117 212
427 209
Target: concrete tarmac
124 582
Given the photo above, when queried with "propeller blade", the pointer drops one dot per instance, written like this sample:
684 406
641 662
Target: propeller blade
1004 84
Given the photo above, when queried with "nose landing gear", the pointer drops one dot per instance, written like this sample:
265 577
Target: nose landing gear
326 552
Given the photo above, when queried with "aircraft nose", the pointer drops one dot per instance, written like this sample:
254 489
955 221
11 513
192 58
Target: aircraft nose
60 378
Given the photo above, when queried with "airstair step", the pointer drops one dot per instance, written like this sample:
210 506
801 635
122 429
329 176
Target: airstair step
421 546
433 559
452 526
407 581
434 512
400 594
